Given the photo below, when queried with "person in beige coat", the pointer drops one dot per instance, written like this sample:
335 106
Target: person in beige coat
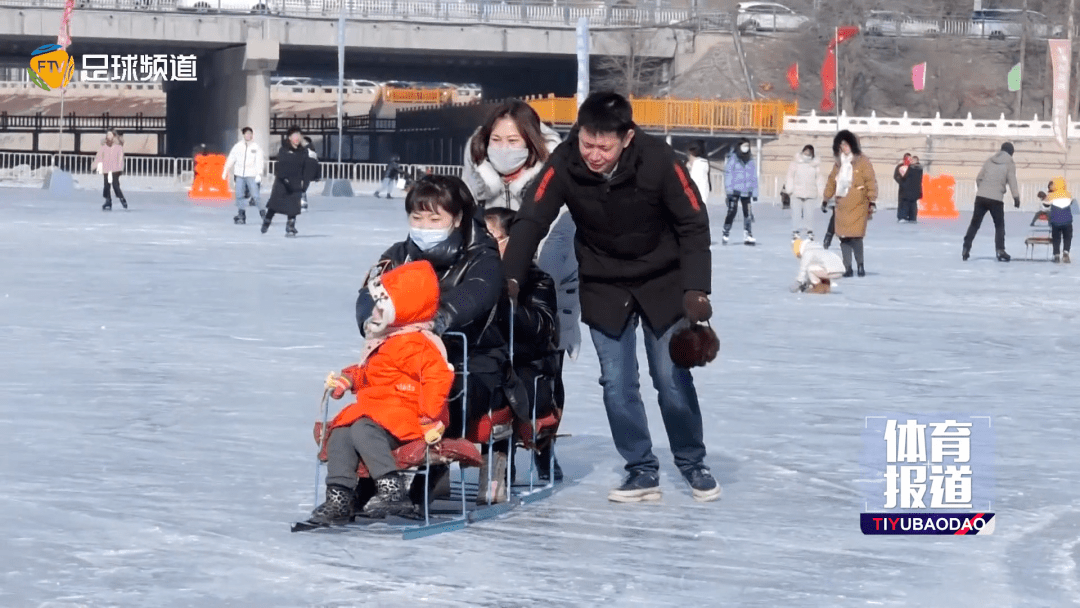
854 185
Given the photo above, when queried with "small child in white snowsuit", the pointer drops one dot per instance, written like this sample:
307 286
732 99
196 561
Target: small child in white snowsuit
817 269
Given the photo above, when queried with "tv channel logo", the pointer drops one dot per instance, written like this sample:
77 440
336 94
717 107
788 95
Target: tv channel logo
51 67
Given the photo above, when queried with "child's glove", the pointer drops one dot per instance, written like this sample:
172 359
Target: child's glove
338 385
433 430
798 286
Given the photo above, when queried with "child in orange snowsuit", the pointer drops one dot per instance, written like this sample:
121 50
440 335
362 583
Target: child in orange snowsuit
401 385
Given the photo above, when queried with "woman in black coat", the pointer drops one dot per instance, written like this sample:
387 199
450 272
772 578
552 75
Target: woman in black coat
444 230
292 174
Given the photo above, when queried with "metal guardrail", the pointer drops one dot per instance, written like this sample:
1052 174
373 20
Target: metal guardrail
40 123
766 117
327 124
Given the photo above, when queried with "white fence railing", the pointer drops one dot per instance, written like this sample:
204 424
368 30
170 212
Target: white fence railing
908 125
34 165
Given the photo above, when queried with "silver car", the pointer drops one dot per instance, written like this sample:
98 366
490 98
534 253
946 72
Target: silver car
895 23
770 16
1002 23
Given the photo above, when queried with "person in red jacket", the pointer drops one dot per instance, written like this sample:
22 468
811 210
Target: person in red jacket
401 385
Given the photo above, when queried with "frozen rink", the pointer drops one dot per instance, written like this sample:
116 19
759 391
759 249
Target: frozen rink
161 370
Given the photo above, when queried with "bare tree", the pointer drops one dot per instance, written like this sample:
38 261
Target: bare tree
631 73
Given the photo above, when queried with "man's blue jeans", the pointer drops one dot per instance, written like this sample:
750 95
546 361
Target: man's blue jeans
246 187
625 409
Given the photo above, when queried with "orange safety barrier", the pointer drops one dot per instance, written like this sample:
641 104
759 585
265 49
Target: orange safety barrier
208 184
418 95
766 116
938 200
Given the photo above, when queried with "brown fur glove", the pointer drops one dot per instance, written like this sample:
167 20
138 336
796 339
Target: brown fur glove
696 306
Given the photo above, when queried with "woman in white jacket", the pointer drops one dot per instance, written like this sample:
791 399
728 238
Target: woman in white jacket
804 183
502 158
699 169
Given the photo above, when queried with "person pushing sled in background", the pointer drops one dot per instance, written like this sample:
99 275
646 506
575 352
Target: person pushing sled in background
817 269
401 385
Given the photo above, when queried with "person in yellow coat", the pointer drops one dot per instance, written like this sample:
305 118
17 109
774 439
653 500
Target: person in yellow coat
854 185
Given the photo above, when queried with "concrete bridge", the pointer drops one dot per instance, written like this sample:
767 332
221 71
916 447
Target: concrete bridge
236 54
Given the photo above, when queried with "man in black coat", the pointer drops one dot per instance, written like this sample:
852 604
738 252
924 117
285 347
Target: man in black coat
643 250
292 175
908 174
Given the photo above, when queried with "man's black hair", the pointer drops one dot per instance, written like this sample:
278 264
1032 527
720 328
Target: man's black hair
606 112
247 130
292 129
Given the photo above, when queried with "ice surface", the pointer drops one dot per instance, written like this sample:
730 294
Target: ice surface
162 367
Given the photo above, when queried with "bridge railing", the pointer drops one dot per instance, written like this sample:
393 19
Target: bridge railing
565 15
766 116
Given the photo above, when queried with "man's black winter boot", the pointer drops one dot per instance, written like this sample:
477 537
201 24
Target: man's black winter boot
862 271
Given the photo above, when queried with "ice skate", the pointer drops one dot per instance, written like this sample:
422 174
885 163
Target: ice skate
966 253
748 239
1065 258
1002 256
794 236
265 225
861 271
241 217
724 239
1057 259
290 228
123 202
107 206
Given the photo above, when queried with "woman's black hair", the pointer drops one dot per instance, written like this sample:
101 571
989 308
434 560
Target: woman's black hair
446 193
501 216
743 156
810 148
850 138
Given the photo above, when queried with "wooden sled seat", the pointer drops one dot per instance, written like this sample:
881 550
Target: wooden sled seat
446 451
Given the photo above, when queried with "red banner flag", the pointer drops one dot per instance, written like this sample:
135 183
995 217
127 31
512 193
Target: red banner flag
918 76
828 69
793 76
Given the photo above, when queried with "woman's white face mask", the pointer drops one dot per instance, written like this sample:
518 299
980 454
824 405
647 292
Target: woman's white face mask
507 160
744 148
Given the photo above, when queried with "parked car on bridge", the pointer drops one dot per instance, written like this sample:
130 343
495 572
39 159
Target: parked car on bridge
293 84
1002 23
753 16
896 23
246 6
